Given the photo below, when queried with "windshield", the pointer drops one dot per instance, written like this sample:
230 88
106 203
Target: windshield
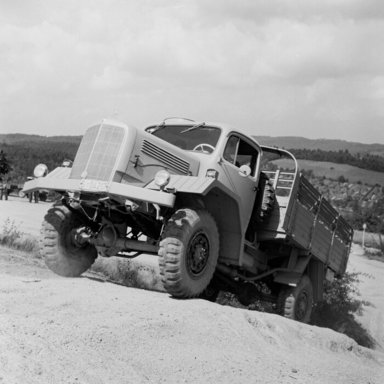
200 138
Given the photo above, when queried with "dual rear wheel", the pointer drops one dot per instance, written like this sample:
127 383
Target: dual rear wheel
296 302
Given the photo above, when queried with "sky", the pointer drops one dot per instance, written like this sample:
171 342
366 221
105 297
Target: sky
277 68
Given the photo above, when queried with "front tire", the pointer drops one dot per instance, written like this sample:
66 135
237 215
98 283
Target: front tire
62 254
188 252
296 302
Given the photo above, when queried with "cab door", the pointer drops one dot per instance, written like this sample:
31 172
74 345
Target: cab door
240 164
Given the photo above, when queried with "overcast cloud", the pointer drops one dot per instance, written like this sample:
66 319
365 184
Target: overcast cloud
287 67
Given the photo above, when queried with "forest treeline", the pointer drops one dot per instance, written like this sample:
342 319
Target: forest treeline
24 156
364 161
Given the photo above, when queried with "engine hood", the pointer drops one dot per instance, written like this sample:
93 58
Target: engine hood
151 154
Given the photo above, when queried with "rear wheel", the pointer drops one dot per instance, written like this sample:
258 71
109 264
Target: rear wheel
296 302
62 253
188 252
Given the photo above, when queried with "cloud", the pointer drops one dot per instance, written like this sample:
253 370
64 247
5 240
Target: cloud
280 65
303 10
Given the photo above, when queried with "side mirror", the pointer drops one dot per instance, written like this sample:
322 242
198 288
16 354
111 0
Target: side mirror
245 170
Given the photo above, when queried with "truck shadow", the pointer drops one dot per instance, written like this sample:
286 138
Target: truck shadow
326 317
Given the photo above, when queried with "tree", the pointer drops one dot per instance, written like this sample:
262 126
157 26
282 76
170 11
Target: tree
4 164
342 179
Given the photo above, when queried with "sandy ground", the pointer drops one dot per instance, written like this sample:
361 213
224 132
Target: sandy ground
85 330
371 287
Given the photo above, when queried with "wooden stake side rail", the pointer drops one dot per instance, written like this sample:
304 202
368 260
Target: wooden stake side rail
307 220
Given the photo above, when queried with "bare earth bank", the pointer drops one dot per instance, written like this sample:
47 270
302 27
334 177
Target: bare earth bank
85 330
58 330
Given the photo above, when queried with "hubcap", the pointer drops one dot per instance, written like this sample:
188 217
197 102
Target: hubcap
198 254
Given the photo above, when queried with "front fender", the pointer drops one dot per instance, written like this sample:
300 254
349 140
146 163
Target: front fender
187 184
58 180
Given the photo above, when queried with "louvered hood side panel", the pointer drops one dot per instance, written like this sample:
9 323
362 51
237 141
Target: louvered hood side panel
168 159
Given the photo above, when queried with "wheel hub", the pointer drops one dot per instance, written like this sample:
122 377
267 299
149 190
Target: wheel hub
301 305
198 254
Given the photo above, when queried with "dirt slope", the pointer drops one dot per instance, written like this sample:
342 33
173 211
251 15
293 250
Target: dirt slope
371 287
85 330
57 330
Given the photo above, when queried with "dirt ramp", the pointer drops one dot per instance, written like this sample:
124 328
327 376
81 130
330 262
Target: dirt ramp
86 330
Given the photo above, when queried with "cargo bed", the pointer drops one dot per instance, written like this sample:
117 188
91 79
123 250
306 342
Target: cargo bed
305 219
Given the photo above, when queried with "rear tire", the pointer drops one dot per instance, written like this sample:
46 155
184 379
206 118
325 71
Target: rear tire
296 302
62 254
188 252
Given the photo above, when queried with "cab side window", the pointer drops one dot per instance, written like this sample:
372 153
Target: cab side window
238 152
231 149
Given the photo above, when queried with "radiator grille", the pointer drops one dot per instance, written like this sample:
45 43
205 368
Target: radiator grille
98 152
165 157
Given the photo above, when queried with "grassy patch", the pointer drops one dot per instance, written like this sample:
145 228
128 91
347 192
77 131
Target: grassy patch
12 237
129 272
373 244
334 171
340 305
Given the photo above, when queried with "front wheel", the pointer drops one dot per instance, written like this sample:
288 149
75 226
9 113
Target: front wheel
296 302
62 253
188 252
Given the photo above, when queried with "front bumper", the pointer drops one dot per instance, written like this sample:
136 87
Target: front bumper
95 186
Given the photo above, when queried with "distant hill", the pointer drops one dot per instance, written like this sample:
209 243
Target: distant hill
335 171
287 142
295 142
25 151
16 138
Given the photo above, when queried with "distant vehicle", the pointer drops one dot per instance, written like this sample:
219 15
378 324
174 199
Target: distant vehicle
208 200
40 170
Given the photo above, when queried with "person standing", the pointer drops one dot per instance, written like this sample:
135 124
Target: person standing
3 190
6 189
33 196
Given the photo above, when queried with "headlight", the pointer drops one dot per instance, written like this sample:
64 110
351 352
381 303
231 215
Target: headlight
162 178
212 173
40 170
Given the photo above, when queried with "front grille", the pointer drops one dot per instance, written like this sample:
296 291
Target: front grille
165 157
97 154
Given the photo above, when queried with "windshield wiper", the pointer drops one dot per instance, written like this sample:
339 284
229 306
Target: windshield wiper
193 127
155 129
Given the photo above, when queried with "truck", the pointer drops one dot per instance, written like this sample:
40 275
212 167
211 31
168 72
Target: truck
219 210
